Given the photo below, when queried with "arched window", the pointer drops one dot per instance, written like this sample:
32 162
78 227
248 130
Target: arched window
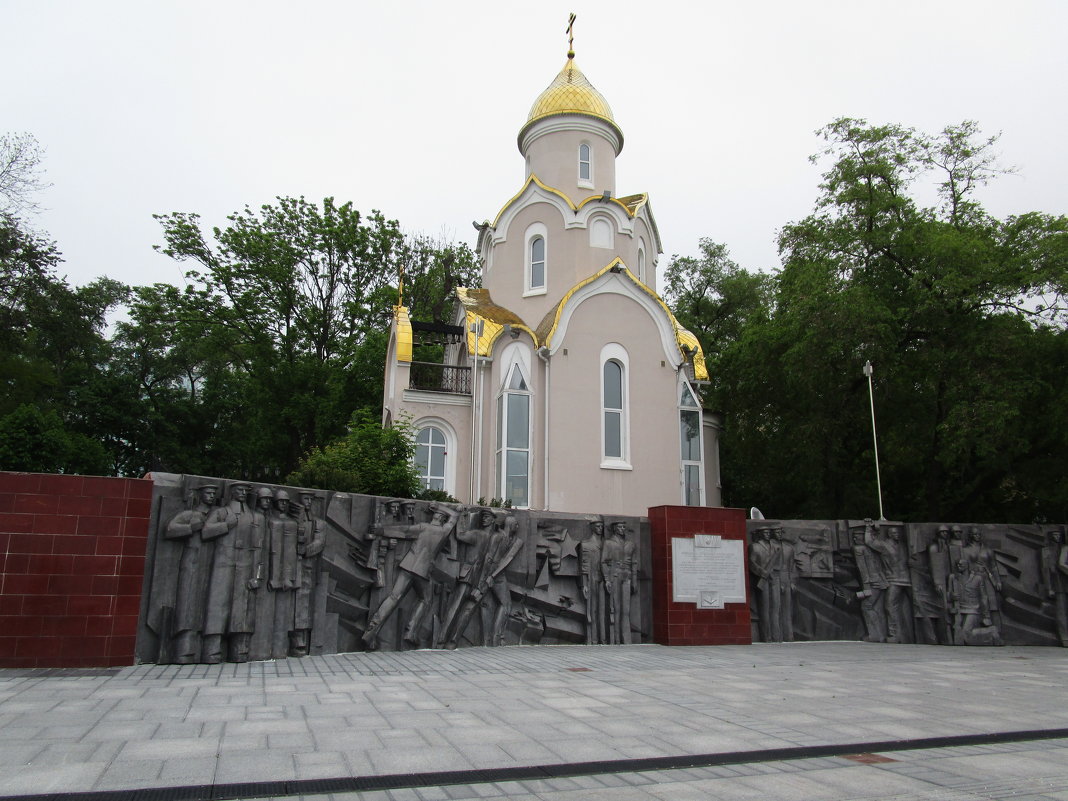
600 233
513 439
641 261
615 426
430 455
585 165
537 260
613 410
690 443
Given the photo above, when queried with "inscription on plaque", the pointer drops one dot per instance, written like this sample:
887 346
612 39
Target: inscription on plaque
709 571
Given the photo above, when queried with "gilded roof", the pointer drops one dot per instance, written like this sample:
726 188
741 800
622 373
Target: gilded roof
631 204
570 93
687 342
404 333
479 306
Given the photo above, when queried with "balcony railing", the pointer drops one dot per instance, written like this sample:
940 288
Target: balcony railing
432 377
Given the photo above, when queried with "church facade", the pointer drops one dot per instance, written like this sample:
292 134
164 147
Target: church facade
566 384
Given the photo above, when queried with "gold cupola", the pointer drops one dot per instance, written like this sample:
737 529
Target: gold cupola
571 93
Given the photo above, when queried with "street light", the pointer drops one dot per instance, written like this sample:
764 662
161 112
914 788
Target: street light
874 439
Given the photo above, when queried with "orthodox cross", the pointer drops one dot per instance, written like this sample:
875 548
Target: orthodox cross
571 37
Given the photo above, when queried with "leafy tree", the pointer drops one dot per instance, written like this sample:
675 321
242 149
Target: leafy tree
280 333
370 459
52 356
962 315
433 269
715 298
36 441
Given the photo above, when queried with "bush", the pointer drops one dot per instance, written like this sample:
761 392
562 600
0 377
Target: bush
370 460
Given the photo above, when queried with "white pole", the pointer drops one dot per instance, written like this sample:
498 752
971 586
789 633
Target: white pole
875 441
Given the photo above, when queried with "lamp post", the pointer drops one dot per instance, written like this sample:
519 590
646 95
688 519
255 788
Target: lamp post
875 440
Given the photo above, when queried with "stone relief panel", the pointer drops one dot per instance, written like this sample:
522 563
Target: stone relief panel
887 581
239 571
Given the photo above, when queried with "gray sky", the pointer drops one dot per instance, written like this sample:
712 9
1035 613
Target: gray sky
413 108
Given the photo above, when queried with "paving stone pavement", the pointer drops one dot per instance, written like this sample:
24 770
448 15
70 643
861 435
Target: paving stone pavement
381 714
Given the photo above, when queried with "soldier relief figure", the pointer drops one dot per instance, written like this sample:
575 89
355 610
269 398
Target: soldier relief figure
590 551
236 575
619 568
192 527
762 556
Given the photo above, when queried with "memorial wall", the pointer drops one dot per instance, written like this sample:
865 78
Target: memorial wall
241 570
885 581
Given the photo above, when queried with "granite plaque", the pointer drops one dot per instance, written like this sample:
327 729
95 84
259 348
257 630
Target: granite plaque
708 571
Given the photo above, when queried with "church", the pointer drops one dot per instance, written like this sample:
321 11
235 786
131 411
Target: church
566 383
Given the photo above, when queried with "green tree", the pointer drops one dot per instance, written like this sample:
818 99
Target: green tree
962 315
53 353
280 333
716 299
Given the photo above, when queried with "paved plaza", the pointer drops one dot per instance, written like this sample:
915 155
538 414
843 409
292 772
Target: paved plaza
799 720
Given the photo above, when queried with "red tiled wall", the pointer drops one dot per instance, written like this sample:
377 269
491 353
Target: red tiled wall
72 561
683 623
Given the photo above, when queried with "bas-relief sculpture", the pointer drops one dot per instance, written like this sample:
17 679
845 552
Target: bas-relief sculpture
886 581
241 571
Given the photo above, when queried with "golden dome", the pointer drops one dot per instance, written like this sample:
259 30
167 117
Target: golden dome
570 93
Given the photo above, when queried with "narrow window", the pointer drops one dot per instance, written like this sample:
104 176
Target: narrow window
690 446
585 164
613 410
537 263
430 455
615 405
641 264
513 440
536 259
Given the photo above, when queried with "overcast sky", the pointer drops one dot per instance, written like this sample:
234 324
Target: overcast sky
413 108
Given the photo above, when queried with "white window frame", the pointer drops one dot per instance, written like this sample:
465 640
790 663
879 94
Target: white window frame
641 260
699 463
533 232
586 183
450 449
615 352
505 397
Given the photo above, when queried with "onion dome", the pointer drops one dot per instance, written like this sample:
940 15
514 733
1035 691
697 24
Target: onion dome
571 93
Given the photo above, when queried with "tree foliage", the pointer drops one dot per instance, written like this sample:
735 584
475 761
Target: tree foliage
278 336
961 314
52 355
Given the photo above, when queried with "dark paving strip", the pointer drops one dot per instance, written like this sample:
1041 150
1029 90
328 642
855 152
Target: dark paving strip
51 673
227 792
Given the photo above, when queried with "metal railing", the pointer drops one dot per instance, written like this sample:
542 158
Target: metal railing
432 377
